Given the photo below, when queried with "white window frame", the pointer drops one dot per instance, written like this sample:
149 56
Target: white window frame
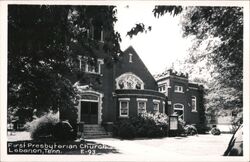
102 37
99 63
141 100
162 88
120 106
163 107
92 30
178 89
179 109
130 58
193 98
157 102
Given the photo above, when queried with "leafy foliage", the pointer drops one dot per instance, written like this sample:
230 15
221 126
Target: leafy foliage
162 10
158 11
190 130
216 57
139 28
63 131
43 127
220 31
218 35
44 42
146 125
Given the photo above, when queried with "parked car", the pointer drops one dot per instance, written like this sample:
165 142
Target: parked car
235 146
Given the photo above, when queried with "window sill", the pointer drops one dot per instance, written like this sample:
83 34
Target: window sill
93 73
123 116
194 111
178 92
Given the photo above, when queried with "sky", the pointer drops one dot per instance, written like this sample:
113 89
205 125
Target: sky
160 47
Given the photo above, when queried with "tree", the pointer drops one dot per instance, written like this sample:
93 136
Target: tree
225 25
44 42
218 40
217 34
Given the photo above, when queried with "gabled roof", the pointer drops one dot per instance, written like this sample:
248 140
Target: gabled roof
130 49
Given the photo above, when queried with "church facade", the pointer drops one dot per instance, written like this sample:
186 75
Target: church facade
126 88
184 98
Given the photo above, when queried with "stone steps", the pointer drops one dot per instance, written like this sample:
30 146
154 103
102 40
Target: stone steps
94 131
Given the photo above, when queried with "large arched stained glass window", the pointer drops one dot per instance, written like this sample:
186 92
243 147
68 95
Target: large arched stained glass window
129 81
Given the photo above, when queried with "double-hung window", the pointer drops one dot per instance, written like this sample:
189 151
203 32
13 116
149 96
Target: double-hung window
90 67
163 107
156 105
178 89
141 105
124 107
194 106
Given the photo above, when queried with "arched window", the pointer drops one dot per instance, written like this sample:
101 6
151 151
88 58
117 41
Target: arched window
129 81
179 110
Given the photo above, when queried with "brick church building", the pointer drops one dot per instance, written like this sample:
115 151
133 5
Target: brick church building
127 88
183 97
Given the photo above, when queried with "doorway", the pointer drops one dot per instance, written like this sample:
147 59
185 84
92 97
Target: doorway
89 112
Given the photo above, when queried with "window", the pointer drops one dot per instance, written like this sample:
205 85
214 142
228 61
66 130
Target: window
82 64
130 57
162 88
163 107
178 89
129 81
90 67
194 108
124 107
179 110
96 32
156 104
141 105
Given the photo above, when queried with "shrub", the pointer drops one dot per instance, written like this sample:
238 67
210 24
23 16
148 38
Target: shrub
63 131
181 126
124 129
190 130
215 131
43 127
145 125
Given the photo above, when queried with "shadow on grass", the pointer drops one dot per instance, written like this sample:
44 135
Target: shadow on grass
85 147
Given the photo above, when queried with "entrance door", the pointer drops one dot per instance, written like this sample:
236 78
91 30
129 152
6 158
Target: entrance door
89 112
